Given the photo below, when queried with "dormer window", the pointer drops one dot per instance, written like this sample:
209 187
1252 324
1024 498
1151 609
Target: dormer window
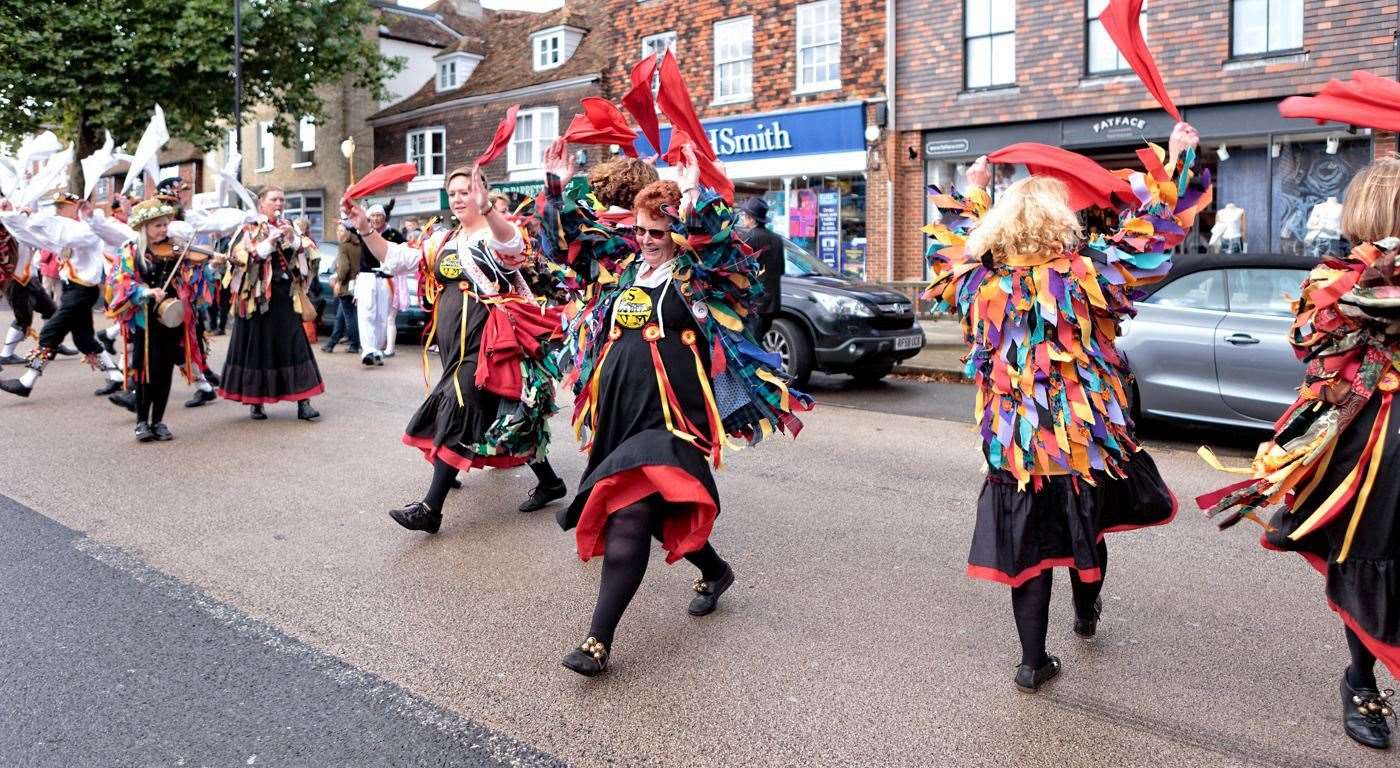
454 68
552 47
447 75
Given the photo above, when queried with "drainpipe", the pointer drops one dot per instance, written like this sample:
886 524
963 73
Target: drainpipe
891 136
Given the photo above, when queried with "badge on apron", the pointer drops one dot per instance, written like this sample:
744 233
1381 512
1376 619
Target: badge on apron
633 308
451 266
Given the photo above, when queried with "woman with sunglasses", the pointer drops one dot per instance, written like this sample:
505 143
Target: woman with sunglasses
665 371
491 406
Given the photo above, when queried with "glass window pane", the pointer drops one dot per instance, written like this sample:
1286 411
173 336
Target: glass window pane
1251 26
1004 59
1285 24
1095 7
1003 16
979 62
1306 174
978 17
1103 55
1198 290
1265 291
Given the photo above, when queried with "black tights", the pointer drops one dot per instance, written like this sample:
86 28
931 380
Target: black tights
444 474
166 352
1362 672
544 473
628 538
1030 604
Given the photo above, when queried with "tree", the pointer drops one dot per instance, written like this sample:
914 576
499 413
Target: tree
81 67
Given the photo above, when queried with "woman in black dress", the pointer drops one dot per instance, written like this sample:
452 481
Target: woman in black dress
665 372
496 342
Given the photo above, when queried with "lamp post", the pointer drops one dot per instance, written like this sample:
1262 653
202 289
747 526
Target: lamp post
347 150
238 83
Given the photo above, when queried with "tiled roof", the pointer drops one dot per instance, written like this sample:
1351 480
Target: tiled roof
503 39
438 25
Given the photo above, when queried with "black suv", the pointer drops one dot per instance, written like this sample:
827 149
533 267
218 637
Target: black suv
833 323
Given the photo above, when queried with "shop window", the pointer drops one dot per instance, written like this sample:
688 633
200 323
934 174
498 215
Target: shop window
310 205
306 143
1308 174
535 130
1265 27
734 59
265 141
989 37
427 149
819 46
659 45
1101 56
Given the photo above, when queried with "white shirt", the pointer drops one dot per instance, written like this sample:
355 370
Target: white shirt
51 232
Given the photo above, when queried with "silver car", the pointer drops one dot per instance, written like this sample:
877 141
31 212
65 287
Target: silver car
1210 344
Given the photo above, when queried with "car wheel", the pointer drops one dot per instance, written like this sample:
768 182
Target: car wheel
786 340
872 375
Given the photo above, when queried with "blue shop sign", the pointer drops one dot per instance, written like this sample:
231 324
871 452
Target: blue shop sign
780 134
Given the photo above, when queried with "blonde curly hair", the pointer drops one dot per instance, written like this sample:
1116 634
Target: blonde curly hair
1032 217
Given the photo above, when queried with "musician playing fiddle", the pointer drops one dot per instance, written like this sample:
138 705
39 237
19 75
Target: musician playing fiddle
157 287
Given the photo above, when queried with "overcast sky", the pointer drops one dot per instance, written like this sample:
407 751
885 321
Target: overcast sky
500 5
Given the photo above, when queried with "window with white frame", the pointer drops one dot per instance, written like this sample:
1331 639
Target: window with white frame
535 130
734 59
819 45
427 149
265 142
310 205
1262 27
447 75
1101 56
306 142
989 43
659 45
549 50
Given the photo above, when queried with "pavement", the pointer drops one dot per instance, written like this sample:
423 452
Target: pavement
944 348
852 637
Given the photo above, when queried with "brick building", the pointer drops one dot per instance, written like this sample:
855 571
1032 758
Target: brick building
545 62
788 90
975 75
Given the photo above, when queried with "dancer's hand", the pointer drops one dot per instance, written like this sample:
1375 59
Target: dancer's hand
558 161
980 174
689 169
354 215
157 295
477 196
1184 137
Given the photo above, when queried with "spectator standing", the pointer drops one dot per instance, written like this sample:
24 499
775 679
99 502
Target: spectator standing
768 249
347 267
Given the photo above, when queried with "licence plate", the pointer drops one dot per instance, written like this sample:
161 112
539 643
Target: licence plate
908 342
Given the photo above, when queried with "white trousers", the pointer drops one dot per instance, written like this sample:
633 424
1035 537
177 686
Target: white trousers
372 311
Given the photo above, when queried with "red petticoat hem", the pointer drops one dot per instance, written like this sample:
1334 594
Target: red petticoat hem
1388 654
1139 526
681 534
1000 577
450 457
249 400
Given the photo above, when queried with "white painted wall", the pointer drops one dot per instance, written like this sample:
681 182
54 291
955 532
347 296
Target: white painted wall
418 69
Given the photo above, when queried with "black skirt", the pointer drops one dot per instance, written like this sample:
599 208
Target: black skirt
269 358
1059 520
1364 589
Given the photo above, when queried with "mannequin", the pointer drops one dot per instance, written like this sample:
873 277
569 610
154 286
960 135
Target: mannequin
1324 236
1229 235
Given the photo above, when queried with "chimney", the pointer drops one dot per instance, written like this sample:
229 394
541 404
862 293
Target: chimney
470 9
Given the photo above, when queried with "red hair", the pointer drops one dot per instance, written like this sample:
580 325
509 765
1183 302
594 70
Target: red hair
657 196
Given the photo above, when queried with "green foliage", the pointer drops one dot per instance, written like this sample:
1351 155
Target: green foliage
83 66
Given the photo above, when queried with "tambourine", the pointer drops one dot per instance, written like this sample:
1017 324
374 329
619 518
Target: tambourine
171 312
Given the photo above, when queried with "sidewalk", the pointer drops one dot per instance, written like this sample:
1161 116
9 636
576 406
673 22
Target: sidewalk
942 353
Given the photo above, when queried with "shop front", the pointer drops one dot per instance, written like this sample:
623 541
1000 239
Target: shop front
421 205
809 164
1278 182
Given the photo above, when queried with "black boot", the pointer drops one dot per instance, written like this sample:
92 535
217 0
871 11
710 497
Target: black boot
12 360
543 494
108 388
126 400
66 351
1087 628
707 593
200 397
212 378
144 433
256 413
15 387
1029 680
328 347
589 659
417 517
1364 713
162 432
107 343
305 412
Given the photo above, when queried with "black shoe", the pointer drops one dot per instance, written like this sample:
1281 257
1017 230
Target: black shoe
256 413
162 432
353 349
1029 680
543 494
200 397
417 517
144 433
12 360
108 388
15 387
305 412
213 378
1086 629
456 483
367 360
1364 713
589 659
126 400
107 343
707 593
328 347
66 351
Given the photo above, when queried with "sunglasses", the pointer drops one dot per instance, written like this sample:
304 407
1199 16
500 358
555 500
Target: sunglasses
656 234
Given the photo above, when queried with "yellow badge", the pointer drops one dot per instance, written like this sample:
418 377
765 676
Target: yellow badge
1390 381
633 308
451 266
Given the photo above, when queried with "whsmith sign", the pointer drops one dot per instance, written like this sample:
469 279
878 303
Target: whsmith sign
780 134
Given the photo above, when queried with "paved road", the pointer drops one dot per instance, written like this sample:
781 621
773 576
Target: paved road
851 638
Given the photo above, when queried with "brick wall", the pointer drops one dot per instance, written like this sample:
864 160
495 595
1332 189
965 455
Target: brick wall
1189 38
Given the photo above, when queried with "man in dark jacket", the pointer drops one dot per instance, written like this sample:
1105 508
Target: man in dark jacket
768 247
347 266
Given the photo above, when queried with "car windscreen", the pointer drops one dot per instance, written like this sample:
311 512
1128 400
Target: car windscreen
802 263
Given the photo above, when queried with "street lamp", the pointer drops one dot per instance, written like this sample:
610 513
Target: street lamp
347 150
238 83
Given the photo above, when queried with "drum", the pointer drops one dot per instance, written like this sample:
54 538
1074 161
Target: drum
171 312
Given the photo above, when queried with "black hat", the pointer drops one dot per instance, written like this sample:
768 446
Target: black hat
756 207
167 185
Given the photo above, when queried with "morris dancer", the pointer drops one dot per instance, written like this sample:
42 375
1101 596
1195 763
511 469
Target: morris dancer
25 297
492 404
1040 306
269 358
665 370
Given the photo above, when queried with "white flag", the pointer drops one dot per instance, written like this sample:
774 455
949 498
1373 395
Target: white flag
147 155
96 164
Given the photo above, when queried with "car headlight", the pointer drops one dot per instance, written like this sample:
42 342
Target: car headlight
843 306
